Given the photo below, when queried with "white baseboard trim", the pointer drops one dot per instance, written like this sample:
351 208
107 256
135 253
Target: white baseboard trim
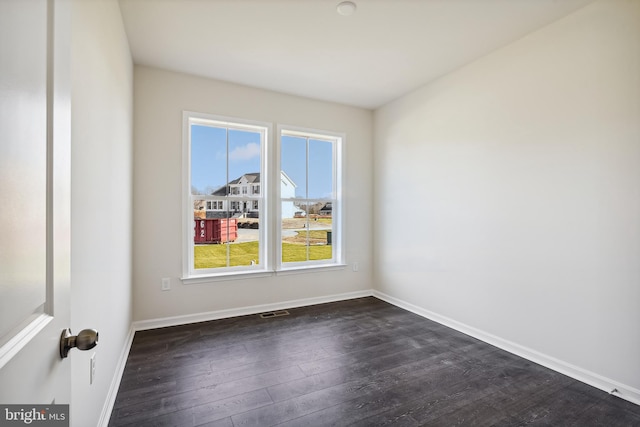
105 416
606 384
142 325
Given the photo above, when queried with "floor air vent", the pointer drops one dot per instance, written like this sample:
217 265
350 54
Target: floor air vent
274 314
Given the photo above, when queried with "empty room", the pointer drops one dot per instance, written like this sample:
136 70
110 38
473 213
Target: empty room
320 212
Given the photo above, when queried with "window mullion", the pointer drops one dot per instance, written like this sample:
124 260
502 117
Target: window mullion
227 247
306 195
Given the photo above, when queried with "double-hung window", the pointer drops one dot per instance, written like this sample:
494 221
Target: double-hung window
252 205
310 205
220 156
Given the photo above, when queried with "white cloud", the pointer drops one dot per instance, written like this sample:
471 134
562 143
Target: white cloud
245 152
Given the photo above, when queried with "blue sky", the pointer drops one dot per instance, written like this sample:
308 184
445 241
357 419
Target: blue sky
209 160
209 156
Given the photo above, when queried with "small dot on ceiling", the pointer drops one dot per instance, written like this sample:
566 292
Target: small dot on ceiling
346 8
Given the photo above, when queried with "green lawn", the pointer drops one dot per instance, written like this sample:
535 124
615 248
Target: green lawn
294 253
213 256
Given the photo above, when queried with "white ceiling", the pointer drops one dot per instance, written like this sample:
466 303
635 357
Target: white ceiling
304 47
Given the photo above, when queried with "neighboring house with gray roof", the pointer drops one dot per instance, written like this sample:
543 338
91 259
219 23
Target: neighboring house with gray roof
246 186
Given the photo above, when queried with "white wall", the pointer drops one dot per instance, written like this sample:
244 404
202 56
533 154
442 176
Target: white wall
523 170
160 97
101 206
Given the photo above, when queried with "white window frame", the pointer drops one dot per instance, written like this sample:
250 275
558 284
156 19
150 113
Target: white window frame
189 273
338 208
270 230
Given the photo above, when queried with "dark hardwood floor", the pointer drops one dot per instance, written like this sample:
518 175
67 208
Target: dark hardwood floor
359 362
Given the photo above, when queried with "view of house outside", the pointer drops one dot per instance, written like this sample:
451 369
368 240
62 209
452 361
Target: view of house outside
227 189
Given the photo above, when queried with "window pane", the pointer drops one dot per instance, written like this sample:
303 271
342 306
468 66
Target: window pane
294 232
244 254
245 250
305 236
320 169
294 164
209 236
208 160
244 163
320 235
226 241
210 256
320 240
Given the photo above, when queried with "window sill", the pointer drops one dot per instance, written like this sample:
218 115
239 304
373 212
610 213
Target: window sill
236 275
197 280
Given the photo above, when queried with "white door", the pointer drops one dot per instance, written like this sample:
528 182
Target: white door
34 200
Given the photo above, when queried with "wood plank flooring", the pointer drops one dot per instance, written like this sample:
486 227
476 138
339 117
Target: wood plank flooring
360 362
